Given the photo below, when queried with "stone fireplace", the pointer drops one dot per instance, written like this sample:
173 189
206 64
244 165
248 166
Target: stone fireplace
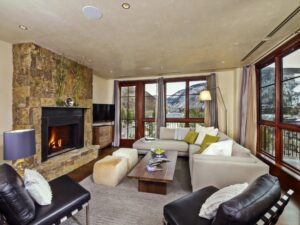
63 134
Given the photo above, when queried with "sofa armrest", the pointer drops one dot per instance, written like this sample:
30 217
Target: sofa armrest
221 171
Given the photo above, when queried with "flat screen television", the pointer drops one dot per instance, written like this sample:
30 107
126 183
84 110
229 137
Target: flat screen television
103 112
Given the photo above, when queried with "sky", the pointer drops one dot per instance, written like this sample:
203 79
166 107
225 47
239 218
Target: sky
172 87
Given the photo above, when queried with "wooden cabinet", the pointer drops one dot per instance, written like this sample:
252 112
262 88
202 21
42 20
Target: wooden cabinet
103 135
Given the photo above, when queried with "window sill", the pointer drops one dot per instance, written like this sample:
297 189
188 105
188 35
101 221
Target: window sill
282 167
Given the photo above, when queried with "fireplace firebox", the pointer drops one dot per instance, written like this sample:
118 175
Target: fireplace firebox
62 130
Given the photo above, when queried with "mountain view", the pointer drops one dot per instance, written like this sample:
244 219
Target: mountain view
290 94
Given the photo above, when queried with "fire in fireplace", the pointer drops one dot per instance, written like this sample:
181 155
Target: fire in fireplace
60 138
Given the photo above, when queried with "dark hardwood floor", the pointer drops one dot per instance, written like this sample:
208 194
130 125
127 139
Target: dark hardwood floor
290 216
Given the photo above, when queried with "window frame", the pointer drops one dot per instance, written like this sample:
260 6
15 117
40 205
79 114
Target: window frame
276 56
186 120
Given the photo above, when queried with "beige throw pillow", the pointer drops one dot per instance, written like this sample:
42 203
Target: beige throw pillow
211 205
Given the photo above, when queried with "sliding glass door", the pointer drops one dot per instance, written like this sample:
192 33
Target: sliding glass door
128 114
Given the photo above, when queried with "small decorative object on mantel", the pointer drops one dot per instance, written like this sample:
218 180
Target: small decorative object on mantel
69 102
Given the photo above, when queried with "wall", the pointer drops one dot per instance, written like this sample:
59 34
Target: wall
6 74
103 90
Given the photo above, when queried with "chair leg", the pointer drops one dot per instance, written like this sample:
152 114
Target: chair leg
87 210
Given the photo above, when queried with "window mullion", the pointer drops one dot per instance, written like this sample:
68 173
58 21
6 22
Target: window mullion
278 135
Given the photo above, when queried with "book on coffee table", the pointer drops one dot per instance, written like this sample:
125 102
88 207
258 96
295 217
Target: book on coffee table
153 168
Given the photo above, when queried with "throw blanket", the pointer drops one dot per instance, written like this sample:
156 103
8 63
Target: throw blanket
180 133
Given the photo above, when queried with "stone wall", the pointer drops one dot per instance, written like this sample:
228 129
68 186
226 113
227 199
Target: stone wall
35 86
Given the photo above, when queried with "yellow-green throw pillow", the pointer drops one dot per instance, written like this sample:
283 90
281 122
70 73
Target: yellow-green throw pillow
208 140
191 137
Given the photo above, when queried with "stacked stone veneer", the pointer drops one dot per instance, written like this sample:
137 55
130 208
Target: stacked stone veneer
34 87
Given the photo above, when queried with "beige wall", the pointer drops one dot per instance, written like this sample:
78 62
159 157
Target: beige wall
102 90
6 73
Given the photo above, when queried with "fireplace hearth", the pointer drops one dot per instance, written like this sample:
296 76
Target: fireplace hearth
62 130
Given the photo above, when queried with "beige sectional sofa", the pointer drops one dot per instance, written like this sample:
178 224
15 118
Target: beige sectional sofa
166 142
219 171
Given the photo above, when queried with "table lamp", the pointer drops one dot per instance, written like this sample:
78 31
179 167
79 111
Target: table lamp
17 145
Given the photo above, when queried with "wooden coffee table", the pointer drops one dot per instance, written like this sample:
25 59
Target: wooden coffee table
155 182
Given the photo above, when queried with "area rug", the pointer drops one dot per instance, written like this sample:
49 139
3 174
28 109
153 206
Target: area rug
125 205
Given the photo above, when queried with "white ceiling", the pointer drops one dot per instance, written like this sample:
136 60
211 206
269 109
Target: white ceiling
152 37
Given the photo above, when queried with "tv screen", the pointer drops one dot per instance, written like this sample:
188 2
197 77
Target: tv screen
103 112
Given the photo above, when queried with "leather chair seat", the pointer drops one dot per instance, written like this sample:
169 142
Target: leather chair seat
67 197
186 209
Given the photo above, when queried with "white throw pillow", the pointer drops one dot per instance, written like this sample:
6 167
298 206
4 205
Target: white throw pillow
38 187
201 128
223 148
204 131
211 205
181 132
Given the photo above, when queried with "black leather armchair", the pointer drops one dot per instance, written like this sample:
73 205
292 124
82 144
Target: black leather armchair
17 207
245 209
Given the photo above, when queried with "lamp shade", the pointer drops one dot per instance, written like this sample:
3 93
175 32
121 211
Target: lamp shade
205 95
18 144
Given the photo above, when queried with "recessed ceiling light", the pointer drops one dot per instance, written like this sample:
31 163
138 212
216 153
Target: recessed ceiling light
223 62
22 27
92 12
126 5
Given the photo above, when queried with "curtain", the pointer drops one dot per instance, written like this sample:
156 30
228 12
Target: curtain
248 109
244 103
160 109
212 114
116 142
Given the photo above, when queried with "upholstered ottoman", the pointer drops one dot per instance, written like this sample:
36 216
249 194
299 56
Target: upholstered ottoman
130 154
110 170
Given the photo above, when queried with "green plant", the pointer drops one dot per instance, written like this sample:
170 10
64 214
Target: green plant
78 74
61 70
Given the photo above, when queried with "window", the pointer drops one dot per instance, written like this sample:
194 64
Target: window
196 107
183 107
150 101
175 99
279 106
138 102
128 112
267 92
291 88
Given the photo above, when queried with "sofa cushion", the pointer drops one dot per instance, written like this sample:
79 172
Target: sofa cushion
235 159
223 148
191 137
210 206
169 145
38 187
15 202
205 131
240 151
207 141
248 207
223 137
167 133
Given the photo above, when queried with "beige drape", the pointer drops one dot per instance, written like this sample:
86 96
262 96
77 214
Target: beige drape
250 134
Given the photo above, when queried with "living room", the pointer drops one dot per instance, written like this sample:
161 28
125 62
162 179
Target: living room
98 93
